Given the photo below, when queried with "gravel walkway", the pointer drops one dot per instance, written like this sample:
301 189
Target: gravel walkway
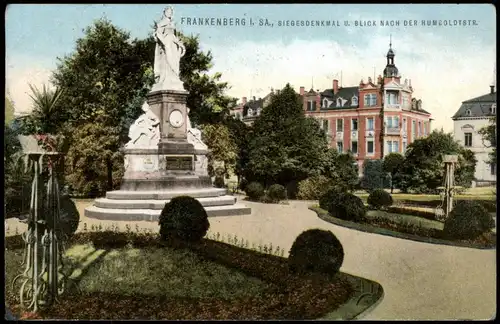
421 281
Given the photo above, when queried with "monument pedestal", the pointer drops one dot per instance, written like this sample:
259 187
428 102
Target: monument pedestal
176 166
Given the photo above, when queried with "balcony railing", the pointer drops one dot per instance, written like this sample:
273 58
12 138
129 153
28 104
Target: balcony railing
392 130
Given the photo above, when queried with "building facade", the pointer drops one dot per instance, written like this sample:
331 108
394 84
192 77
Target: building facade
360 118
248 110
472 116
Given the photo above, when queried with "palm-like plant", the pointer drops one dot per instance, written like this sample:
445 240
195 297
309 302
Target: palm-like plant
46 115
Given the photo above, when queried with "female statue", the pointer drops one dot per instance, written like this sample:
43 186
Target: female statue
168 52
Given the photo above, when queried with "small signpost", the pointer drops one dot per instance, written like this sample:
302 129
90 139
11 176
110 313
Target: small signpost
443 211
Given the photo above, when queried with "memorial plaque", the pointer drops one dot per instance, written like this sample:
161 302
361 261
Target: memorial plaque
179 163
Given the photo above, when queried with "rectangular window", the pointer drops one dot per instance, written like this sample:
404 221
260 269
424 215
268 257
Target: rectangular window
311 105
493 168
395 146
395 122
414 128
405 127
370 99
388 122
370 148
354 147
419 129
354 124
404 146
468 139
389 146
392 98
326 125
340 125
340 147
369 124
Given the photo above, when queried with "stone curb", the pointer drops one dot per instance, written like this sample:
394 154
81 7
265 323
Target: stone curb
386 232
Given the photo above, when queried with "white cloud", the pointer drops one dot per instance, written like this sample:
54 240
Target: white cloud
442 74
18 78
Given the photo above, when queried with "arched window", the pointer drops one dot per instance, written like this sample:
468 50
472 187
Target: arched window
325 103
339 102
493 108
354 101
467 112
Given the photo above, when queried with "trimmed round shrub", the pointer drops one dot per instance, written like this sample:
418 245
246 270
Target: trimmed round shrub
347 207
329 197
276 192
255 190
316 250
69 215
468 220
313 188
183 218
379 199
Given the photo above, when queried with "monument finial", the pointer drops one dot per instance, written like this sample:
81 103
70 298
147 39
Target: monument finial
390 40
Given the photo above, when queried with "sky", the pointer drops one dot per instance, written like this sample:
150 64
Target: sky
446 64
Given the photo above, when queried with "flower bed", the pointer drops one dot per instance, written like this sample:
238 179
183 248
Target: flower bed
410 231
259 286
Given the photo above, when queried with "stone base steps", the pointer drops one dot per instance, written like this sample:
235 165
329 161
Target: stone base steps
155 204
152 215
165 194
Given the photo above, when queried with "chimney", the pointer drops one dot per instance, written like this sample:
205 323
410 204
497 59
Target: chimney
492 89
335 86
302 90
244 100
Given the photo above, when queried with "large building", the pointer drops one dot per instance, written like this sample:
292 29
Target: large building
473 115
351 116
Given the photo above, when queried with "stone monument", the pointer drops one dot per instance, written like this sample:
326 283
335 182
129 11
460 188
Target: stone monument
165 156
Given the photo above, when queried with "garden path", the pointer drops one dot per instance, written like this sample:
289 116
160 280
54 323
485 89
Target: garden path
421 281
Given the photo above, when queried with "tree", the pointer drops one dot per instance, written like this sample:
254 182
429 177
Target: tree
222 147
106 80
92 158
373 175
241 135
489 137
342 169
286 146
392 165
423 170
9 110
47 114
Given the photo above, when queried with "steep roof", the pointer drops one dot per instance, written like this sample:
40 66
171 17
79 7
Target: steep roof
345 93
479 106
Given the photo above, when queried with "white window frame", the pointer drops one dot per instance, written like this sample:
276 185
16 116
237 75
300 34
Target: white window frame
414 128
370 100
310 105
395 146
327 130
468 112
354 101
388 144
368 153
405 125
342 144
337 125
357 147
494 108
465 139
368 124
352 124
325 103
339 102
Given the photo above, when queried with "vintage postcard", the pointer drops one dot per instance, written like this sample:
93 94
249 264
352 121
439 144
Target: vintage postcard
250 161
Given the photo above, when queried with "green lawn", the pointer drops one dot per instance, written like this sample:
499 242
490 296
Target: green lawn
405 220
135 276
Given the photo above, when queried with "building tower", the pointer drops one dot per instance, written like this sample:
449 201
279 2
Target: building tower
390 70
